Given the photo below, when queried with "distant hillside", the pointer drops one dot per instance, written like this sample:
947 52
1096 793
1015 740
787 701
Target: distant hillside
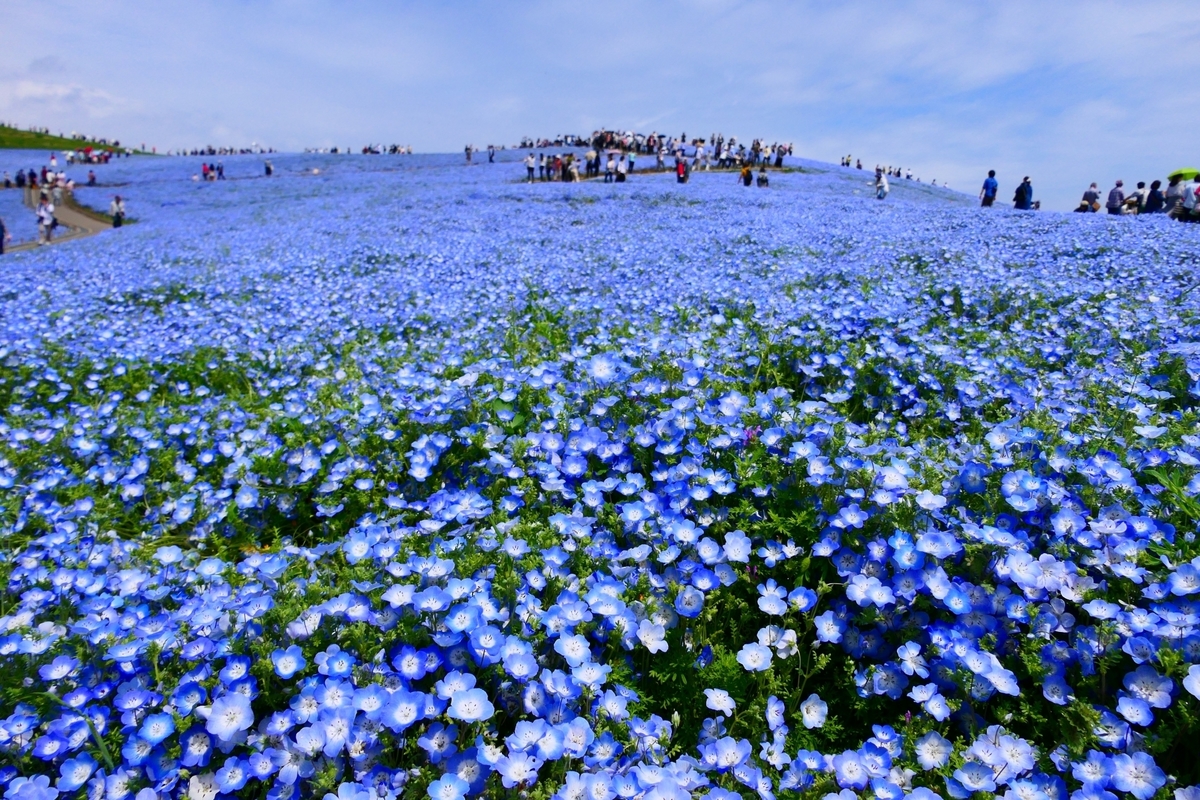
17 139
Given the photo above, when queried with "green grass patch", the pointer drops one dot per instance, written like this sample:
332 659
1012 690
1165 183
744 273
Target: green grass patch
16 139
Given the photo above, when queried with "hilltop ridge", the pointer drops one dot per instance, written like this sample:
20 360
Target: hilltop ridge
12 138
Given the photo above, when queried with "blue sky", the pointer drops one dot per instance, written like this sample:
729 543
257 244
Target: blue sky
1066 92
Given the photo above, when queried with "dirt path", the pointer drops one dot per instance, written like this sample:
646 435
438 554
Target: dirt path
79 221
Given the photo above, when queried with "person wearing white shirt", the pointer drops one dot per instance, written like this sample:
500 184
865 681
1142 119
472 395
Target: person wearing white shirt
45 215
529 162
1190 200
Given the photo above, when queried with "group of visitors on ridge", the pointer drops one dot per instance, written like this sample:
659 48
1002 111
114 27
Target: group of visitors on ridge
1181 200
616 154
886 172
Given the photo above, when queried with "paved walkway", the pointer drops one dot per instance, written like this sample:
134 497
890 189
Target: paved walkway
79 223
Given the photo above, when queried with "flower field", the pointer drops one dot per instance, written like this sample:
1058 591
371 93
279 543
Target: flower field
390 477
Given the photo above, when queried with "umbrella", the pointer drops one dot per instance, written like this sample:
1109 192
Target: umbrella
1187 173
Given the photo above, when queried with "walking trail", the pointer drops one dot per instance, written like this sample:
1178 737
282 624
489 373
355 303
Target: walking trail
79 221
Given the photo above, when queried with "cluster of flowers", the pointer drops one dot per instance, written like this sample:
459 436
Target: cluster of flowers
760 498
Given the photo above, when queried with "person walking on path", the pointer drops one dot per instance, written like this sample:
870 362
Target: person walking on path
610 168
116 210
1116 198
45 215
1023 198
881 184
529 166
987 195
467 150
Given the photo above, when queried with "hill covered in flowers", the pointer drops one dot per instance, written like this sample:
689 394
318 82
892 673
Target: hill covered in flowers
391 477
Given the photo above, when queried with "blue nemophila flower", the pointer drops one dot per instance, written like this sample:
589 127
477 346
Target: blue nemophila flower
754 657
75 772
813 712
850 771
448 787
719 700
1137 774
471 705
772 598
230 715
288 662
157 727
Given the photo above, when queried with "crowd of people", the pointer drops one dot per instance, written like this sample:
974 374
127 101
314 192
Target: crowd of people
386 150
209 150
615 155
887 172
52 188
1180 200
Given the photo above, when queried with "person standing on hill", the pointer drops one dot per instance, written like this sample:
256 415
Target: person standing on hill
529 166
1116 198
987 195
881 184
1188 205
1175 191
1023 198
1136 202
1154 200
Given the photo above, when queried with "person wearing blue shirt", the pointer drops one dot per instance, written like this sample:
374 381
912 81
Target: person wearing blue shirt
990 187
